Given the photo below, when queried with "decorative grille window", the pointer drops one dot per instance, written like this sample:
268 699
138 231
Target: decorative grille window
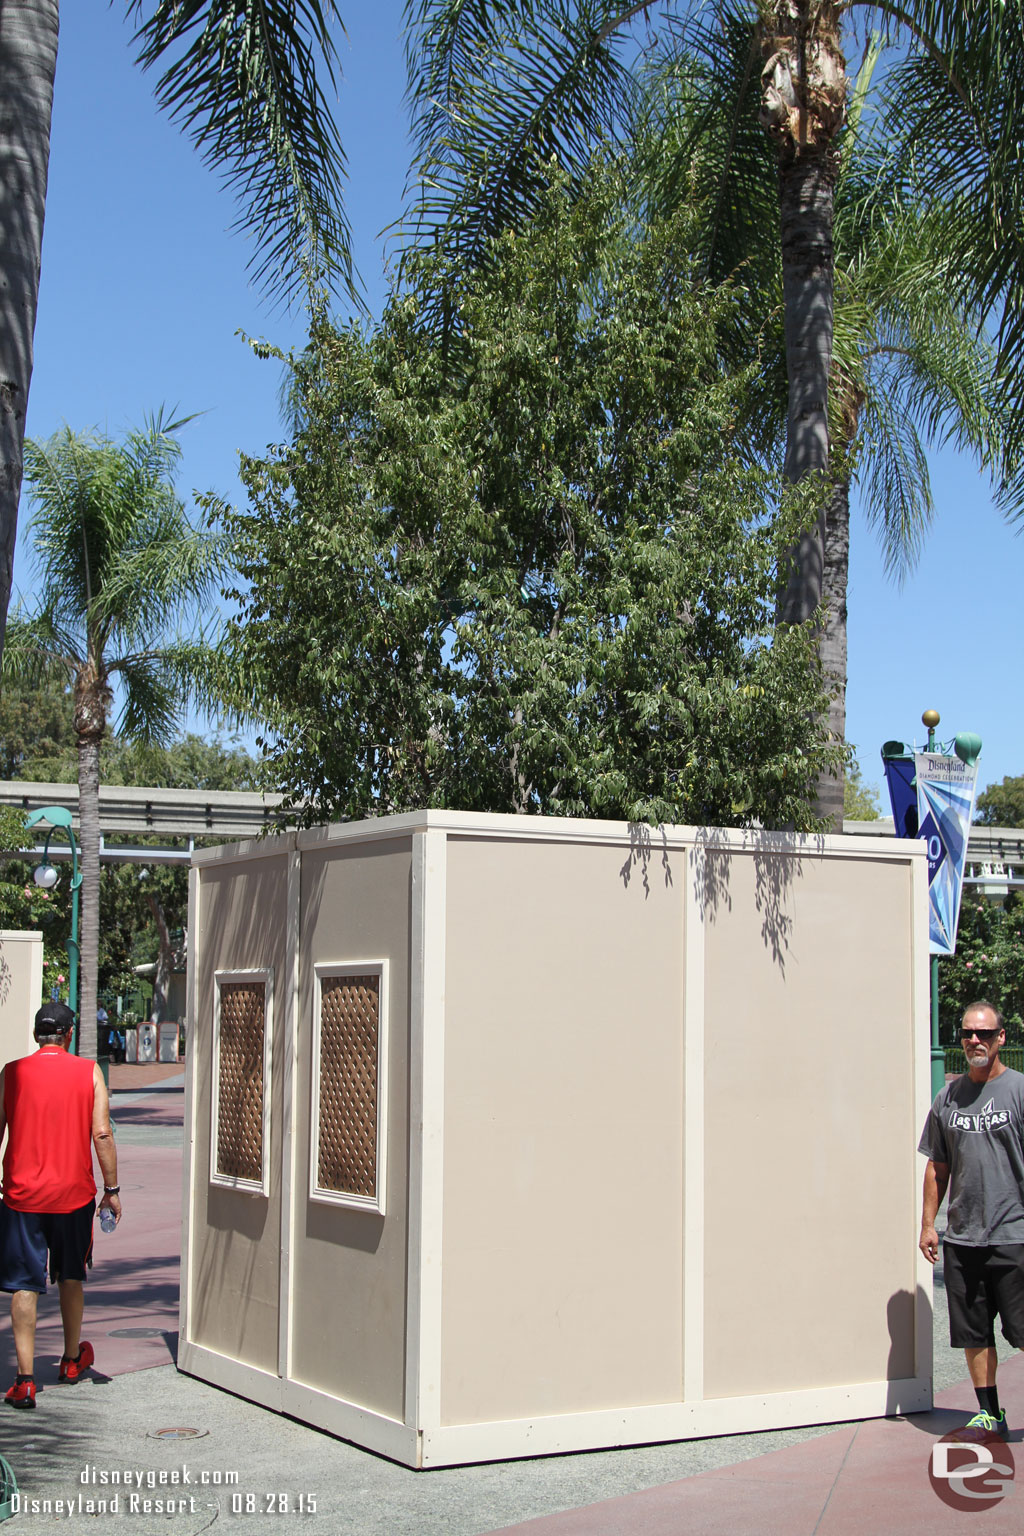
349 1133
242 1023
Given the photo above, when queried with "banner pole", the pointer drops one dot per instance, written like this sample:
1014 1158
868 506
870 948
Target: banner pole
930 718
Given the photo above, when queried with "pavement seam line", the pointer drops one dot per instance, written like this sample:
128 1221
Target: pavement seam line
839 1473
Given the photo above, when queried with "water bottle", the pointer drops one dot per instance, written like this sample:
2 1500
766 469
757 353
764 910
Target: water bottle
108 1221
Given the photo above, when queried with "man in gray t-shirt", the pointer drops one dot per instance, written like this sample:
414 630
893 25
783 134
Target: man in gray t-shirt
974 1142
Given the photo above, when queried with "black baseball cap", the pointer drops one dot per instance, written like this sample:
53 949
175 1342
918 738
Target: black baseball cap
54 1019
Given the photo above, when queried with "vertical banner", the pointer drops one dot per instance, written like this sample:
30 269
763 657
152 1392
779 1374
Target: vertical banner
899 776
945 809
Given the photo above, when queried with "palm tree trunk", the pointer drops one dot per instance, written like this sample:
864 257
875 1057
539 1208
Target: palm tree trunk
89 838
832 643
28 57
803 104
806 188
803 107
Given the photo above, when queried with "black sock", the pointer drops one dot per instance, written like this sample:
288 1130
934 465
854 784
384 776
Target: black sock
988 1400
20 1378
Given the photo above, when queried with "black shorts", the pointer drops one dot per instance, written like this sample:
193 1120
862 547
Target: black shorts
27 1236
981 1284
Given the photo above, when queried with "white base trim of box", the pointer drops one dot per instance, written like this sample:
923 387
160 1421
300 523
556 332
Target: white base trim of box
454 1444
373 1431
505 1440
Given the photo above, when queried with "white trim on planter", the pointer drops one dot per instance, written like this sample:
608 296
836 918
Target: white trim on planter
348 1421
289 1106
190 1183
426 1132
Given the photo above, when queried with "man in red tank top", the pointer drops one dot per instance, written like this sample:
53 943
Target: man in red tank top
52 1105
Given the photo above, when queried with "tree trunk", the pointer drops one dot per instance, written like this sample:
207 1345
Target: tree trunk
164 963
832 643
806 187
28 57
803 107
89 841
92 706
803 104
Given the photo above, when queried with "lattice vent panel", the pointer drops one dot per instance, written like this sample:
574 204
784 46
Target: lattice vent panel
349 1065
240 1086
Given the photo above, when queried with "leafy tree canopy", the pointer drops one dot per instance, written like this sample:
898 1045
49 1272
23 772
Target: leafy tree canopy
860 800
523 568
1002 804
989 963
36 728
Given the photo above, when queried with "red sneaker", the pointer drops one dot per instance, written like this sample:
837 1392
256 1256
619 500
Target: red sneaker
71 1370
22 1394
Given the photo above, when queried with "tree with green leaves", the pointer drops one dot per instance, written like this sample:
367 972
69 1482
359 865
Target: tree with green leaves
523 568
501 87
1002 804
124 577
241 77
26 907
860 800
36 730
989 962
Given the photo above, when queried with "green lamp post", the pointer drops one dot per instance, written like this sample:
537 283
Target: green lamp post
59 819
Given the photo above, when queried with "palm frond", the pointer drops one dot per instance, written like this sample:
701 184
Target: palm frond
695 124
37 647
152 698
958 104
498 92
241 77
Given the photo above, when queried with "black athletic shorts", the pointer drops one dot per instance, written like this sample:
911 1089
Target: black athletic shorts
982 1284
27 1236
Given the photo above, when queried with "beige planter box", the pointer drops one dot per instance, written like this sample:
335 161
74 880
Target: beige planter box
21 991
514 1135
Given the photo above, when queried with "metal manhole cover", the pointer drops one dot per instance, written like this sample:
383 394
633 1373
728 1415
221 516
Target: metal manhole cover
137 1333
179 1432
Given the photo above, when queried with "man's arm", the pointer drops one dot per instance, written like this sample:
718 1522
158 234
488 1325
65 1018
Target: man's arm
936 1179
103 1140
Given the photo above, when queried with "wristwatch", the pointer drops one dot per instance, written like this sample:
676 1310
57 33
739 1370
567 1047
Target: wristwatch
111 1189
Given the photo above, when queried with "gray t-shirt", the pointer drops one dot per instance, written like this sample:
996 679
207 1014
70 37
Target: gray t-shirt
978 1129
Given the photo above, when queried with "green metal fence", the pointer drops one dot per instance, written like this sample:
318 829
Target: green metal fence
1010 1056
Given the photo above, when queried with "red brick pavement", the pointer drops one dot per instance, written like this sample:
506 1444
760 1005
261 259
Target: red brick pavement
130 1076
133 1284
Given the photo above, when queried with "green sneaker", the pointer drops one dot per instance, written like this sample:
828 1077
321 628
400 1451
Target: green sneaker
983 1426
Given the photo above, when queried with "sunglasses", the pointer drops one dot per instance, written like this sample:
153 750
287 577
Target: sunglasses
986 1036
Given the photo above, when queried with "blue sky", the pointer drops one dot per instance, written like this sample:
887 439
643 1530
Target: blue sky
144 288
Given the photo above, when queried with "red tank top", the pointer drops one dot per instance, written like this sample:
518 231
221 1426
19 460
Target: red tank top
48 1102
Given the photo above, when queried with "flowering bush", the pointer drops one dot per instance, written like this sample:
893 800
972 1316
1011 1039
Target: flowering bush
989 963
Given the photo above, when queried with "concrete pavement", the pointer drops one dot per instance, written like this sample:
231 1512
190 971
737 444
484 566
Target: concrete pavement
136 1417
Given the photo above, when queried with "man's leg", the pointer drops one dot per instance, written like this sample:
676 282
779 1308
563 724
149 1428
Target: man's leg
23 1325
981 1363
72 1305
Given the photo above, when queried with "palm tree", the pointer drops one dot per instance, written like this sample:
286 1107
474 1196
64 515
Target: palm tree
502 85
910 366
123 573
241 78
